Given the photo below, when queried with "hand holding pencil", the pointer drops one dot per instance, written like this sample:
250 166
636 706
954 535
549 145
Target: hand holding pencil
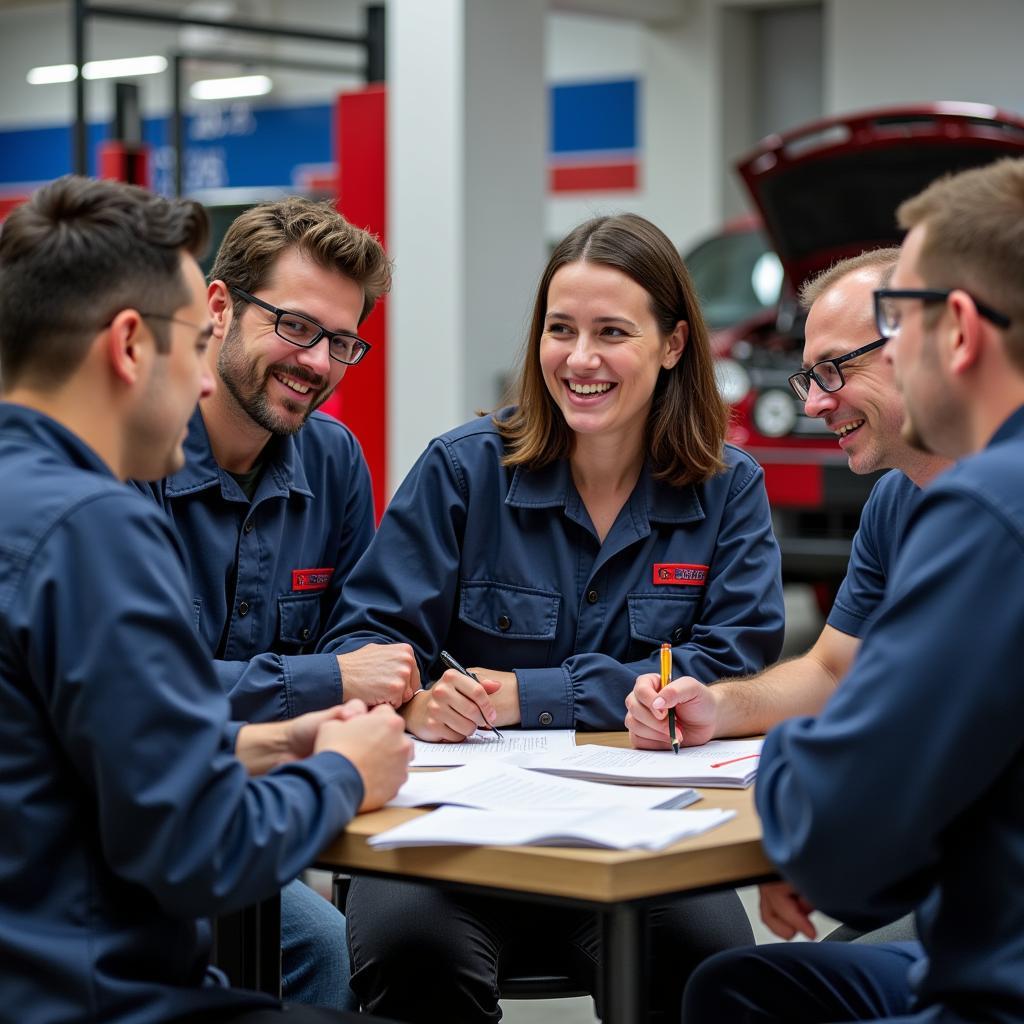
690 707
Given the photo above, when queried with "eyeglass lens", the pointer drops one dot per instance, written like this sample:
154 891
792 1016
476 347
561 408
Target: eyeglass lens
300 331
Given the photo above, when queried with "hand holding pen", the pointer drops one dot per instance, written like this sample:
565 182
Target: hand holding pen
666 677
451 663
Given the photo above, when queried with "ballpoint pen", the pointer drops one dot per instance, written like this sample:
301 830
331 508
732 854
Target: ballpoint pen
453 664
666 676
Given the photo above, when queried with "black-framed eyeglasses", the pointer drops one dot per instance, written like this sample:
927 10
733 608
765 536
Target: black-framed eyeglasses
826 373
296 329
887 307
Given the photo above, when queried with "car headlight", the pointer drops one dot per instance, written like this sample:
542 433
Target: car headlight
774 413
732 380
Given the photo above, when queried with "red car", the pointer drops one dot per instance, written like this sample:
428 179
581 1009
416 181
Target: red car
824 192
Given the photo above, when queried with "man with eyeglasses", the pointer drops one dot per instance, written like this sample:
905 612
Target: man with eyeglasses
907 791
849 386
129 810
274 504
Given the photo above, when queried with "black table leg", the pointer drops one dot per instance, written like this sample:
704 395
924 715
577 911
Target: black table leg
624 964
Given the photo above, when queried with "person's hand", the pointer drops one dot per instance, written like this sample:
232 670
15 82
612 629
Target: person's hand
264 746
505 700
380 674
300 733
452 709
784 911
378 747
647 709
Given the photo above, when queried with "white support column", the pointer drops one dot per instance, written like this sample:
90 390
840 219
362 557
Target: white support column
467 121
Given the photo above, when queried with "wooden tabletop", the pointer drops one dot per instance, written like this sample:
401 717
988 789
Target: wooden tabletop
729 854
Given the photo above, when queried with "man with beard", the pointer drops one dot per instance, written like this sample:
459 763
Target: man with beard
848 384
907 791
274 504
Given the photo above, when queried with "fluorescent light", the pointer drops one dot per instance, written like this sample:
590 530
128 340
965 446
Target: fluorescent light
122 67
227 88
52 73
125 67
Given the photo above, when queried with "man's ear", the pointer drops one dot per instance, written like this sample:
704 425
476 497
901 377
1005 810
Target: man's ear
966 333
219 300
676 344
129 345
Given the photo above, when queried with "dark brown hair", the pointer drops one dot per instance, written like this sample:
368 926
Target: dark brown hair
76 254
687 421
260 235
974 240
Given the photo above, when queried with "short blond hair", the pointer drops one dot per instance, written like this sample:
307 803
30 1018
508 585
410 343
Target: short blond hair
882 260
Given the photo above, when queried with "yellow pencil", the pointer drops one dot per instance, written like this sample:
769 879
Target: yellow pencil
666 676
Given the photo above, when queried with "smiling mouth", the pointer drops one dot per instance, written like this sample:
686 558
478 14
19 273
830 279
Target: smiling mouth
300 388
597 388
849 428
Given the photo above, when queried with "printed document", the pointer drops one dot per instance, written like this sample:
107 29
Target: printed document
615 828
725 764
514 745
498 787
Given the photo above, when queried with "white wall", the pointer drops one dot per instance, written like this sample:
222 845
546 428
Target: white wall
903 51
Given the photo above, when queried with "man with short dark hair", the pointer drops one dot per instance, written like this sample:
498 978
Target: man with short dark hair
273 504
907 791
127 814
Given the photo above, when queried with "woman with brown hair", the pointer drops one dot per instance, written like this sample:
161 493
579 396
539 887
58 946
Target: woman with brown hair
552 548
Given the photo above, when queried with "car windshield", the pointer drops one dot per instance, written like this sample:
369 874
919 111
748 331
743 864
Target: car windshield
736 275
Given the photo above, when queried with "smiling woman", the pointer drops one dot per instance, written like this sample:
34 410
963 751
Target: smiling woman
552 547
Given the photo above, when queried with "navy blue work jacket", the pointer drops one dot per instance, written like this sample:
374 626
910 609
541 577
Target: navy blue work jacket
125 817
502 567
265 575
908 790
873 555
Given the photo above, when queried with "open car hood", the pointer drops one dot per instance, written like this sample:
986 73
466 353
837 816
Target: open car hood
830 190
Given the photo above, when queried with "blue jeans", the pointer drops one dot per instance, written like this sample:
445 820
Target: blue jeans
314 951
809 983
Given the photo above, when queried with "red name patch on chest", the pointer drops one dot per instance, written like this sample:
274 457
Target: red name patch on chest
680 574
311 579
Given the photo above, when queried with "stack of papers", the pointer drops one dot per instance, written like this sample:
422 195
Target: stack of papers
499 787
616 829
725 764
514 746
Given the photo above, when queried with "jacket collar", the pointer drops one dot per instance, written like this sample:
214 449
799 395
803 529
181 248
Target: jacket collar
652 501
37 427
283 471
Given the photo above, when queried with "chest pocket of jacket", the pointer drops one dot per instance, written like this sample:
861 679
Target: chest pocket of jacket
656 619
512 613
299 617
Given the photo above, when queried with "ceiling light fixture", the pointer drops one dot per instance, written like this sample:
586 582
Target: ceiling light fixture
120 67
228 88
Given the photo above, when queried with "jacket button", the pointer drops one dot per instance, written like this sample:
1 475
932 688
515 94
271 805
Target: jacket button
504 623
592 597
545 718
249 526
305 634
678 634
243 609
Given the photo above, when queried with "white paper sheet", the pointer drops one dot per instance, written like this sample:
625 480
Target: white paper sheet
497 786
727 764
483 745
614 828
